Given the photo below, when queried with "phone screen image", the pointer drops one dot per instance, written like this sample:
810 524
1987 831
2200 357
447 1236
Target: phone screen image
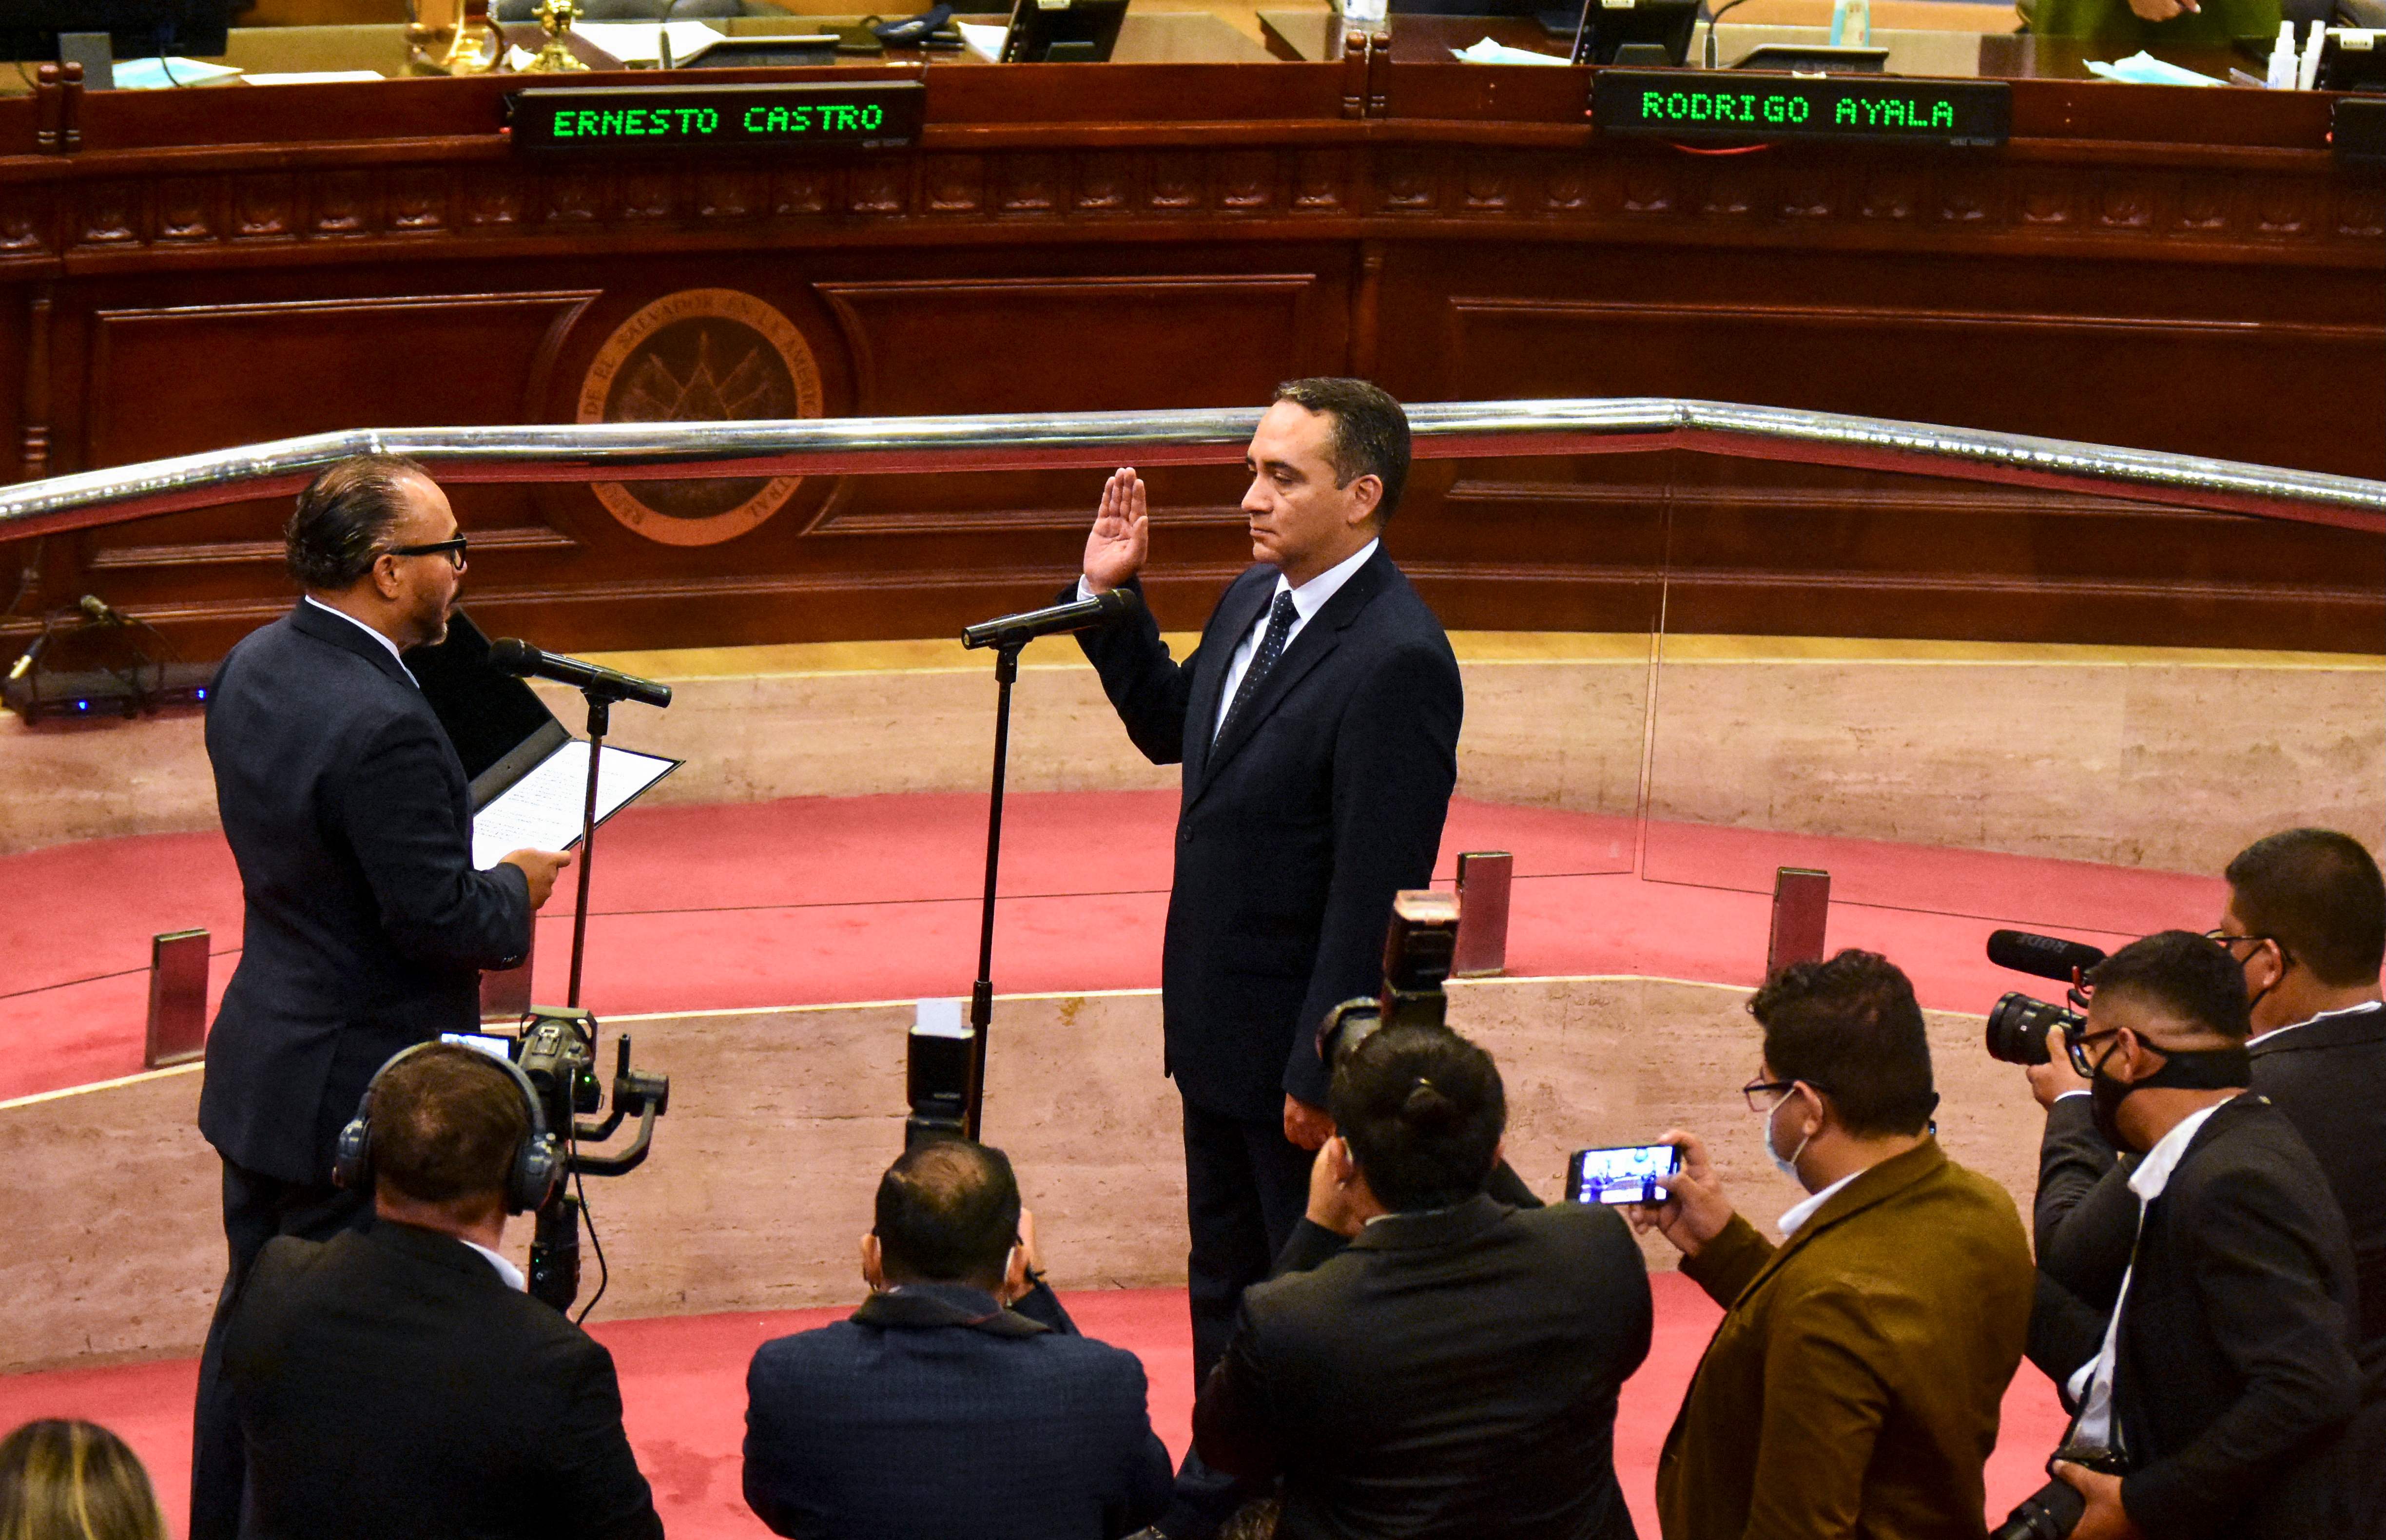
1625 1175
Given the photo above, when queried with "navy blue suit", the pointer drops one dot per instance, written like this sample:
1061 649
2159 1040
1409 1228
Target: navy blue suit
365 926
931 1413
365 929
1323 798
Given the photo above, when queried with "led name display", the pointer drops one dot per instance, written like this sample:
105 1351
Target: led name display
2357 128
1696 105
793 118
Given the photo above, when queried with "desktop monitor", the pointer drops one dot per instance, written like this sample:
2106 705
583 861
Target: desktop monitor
1071 32
1643 26
136 29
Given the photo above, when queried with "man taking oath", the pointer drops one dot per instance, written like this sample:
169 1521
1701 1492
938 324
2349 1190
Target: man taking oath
365 924
1317 723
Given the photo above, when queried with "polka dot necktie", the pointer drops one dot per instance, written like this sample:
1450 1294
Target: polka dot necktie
1280 619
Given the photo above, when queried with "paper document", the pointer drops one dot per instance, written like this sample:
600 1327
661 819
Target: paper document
164 74
2144 68
542 811
984 40
1488 52
313 77
641 41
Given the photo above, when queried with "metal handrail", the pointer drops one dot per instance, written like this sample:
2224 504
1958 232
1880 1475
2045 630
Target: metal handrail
1459 430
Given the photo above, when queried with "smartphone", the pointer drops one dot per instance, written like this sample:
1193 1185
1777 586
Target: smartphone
1625 1175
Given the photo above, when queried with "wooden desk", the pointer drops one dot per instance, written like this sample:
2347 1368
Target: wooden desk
2160 268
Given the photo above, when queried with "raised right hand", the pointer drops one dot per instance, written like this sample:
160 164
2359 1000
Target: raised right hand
539 867
1695 1210
1121 538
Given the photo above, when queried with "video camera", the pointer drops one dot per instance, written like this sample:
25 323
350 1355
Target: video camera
556 1050
2017 1024
1418 946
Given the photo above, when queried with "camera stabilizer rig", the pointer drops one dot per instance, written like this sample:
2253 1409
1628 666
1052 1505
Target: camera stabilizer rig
556 1048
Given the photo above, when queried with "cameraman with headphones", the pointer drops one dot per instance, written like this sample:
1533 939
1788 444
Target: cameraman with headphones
397 1381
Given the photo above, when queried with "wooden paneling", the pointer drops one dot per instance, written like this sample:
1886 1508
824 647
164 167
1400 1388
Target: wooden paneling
2131 270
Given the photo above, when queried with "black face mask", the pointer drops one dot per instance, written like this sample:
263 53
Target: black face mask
2198 1070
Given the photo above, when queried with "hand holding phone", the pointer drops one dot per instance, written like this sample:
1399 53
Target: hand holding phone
1621 1175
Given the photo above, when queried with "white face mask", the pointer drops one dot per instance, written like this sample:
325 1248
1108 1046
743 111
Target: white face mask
1788 1164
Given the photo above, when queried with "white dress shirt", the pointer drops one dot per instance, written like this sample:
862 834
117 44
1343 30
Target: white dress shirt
387 646
1800 1213
1307 600
506 1270
2092 1383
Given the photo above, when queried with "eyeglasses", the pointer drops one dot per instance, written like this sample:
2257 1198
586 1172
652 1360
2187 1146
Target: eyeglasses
2229 940
452 549
1772 1091
2075 1046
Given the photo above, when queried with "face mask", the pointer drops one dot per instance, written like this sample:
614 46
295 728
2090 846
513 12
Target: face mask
2200 1070
1789 1165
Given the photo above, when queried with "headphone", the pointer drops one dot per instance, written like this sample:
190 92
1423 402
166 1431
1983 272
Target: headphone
530 1178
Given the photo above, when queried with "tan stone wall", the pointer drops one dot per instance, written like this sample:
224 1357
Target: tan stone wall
760 1182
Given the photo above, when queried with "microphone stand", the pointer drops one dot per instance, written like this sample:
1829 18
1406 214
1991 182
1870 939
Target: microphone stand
600 721
1006 673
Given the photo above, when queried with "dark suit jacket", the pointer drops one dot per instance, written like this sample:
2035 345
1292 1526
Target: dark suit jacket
1446 1374
366 925
2328 1078
931 1413
1321 801
2236 1366
390 1385
1853 1385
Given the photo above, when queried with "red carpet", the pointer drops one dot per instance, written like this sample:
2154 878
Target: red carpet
815 900
683 1390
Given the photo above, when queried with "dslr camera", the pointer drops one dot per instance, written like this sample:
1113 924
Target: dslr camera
1418 947
2053 1510
556 1048
2017 1024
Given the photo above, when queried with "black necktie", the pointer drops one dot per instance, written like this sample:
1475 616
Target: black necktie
1280 619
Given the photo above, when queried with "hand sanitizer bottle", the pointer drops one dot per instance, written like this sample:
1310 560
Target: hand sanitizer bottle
2281 76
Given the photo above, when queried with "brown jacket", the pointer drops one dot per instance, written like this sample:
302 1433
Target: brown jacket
1853 1385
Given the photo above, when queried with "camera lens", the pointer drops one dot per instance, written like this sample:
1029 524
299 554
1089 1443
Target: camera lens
2017 1028
2050 1513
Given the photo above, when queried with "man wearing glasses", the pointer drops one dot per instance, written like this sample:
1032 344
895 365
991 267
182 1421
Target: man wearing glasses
1853 1384
365 923
2216 1379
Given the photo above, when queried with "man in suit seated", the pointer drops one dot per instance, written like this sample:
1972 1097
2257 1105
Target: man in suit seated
2306 920
1855 1381
959 1402
397 1381
1428 1361
2223 1375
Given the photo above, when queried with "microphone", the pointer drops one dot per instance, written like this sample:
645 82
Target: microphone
513 656
2042 956
101 611
1017 630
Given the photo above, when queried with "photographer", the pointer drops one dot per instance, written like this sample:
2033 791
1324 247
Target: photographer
2214 1388
959 1402
1854 1383
1452 1369
2306 922
397 1381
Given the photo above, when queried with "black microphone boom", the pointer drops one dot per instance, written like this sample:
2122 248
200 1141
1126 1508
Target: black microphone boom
512 655
2041 957
1017 630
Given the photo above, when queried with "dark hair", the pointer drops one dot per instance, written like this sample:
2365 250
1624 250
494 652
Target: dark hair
1422 1109
947 1213
64 1479
1371 433
345 518
2183 974
2316 893
1850 1027
447 1125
